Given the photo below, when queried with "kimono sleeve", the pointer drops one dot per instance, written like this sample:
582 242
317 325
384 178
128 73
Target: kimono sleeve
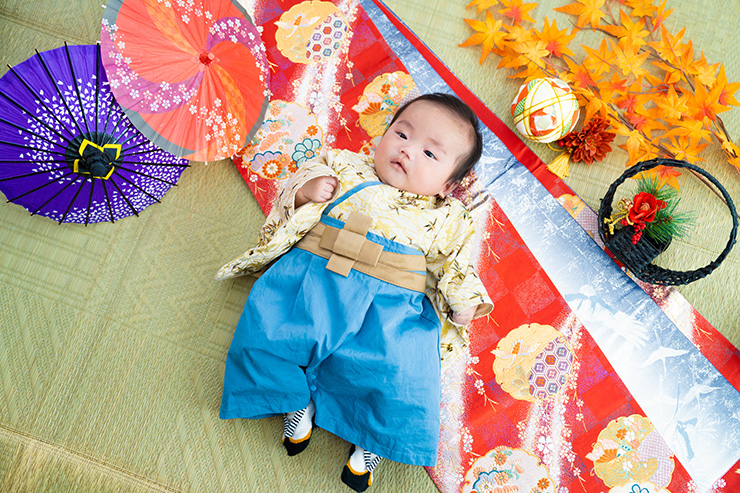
450 263
285 224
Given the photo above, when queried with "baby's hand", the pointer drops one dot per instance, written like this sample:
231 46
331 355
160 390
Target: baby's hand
318 190
465 316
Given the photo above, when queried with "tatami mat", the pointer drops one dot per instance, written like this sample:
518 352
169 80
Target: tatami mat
114 336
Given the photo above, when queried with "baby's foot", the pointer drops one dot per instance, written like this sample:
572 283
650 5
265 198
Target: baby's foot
297 430
358 472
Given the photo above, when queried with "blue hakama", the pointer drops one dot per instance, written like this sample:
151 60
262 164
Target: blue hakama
364 350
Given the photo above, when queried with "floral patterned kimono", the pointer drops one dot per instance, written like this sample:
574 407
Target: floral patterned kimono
364 350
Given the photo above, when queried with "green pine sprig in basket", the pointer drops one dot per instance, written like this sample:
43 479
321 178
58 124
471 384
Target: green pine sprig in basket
669 222
652 210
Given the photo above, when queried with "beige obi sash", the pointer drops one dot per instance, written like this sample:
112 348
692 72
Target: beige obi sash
349 248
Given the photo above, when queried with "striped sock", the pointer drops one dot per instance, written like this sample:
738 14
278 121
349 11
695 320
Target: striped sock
297 429
358 472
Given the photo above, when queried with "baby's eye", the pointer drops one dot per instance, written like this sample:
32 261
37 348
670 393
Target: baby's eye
430 154
402 135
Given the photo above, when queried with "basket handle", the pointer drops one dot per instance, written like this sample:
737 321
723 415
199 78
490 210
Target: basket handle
605 211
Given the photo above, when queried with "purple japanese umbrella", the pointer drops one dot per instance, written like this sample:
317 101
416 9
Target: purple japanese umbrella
67 150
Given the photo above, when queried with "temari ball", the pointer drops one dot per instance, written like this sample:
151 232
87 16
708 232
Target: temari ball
545 110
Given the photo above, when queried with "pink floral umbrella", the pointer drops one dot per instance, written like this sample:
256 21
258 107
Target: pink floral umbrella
192 76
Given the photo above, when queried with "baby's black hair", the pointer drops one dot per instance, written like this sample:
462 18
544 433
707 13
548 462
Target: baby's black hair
457 107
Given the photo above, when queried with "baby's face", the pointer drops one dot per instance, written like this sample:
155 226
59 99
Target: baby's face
419 152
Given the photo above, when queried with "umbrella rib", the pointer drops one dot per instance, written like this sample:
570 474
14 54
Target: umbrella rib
52 198
144 174
97 84
13 161
140 189
27 130
120 192
120 119
32 148
159 164
34 116
136 146
35 173
107 202
71 202
108 113
61 96
130 124
89 202
77 88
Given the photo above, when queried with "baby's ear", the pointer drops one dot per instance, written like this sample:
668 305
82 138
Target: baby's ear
449 187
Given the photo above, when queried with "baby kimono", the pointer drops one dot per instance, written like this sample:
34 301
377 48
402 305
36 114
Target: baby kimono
365 349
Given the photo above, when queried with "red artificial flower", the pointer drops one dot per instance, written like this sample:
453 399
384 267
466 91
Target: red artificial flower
591 143
644 207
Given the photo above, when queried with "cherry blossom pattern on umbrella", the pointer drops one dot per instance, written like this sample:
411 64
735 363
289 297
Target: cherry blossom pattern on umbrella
67 150
192 76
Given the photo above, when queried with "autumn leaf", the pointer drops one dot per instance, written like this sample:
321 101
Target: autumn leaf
693 129
588 11
629 61
703 72
672 74
614 30
631 98
672 105
686 149
662 175
661 14
635 141
581 77
598 61
726 91
666 108
556 41
634 33
644 154
644 120
510 58
732 151
669 47
685 55
518 34
641 8
516 10
531 71
489 34
482 4
608 88
534 51
594 106
703 104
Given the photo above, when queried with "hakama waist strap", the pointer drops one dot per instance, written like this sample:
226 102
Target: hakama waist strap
350 248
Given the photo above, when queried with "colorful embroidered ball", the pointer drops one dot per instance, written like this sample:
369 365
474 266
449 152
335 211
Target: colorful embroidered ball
545 110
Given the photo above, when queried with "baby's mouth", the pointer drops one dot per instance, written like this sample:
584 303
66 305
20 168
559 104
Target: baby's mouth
398 165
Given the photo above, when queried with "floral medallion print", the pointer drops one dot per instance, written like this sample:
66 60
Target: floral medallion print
311 32
505 470
289 136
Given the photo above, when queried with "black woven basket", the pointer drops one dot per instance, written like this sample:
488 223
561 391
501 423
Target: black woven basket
637 258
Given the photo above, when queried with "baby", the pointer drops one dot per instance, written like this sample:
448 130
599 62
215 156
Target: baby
342 331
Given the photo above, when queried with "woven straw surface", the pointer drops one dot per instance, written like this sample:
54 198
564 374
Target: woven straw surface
113 336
